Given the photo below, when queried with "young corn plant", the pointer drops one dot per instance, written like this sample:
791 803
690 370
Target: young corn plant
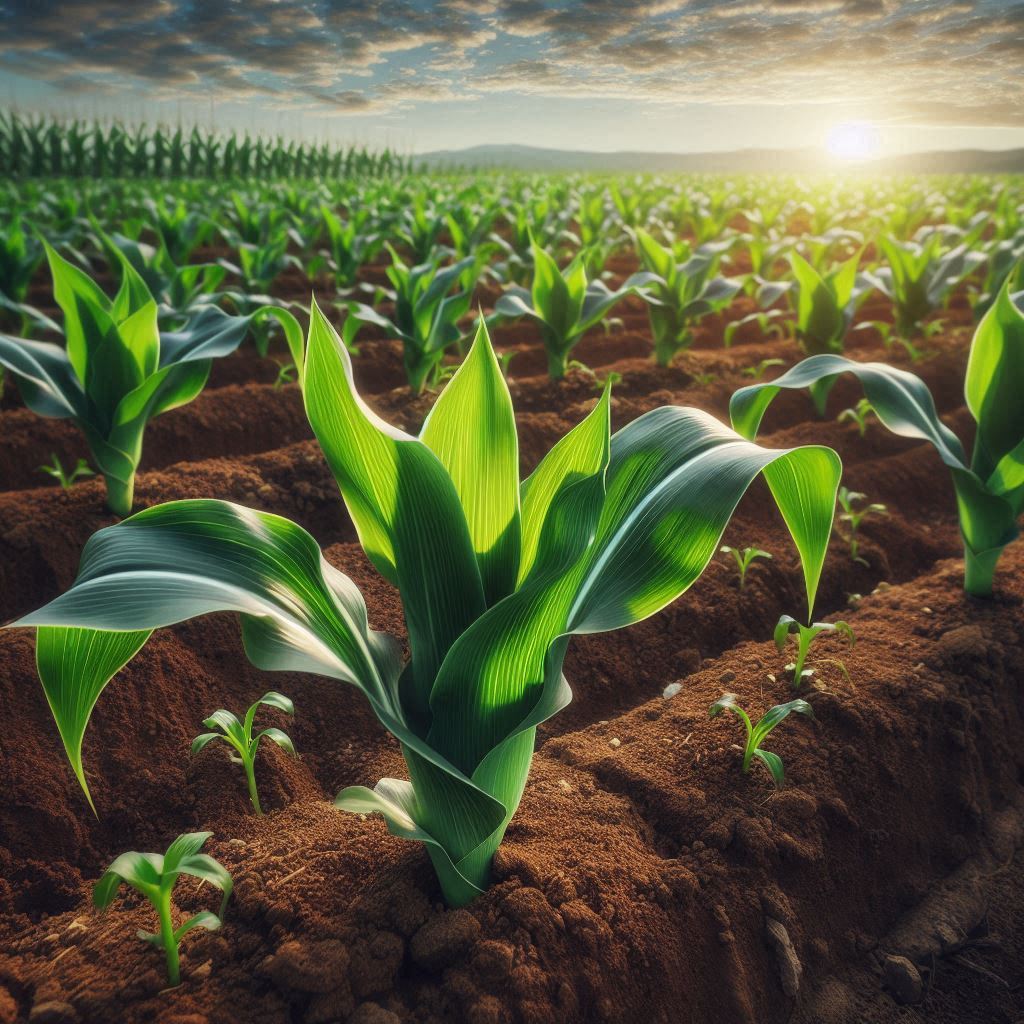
495 577
426 317
757 734
116 370
805 636
563 304
861 414
825 304
853 517
55 468
238 735
679 294
990 486
154 876
920 276
744 559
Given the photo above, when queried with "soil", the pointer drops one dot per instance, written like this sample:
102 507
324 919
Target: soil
644 877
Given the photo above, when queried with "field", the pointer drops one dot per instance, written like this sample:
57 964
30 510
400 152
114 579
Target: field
644 876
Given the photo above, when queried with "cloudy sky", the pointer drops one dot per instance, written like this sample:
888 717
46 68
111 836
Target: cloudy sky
676 75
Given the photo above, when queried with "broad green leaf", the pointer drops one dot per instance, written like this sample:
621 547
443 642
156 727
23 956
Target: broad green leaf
404 505
472 431
994 385
74 667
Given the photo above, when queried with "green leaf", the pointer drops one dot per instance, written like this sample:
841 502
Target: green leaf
472 431
405 508
774 765
994 385
204 919
188 558
141 871
74 667
204 740
201 865
283 740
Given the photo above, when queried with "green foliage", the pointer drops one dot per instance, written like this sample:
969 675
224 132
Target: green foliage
805 636
758 370
920 275
563 303
56 469
495 576
679 294
426 317
154 876
238 735
860 414
853 517
743 558
116 371
757 734
989 488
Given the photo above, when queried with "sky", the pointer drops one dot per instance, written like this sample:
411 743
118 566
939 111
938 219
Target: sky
864 76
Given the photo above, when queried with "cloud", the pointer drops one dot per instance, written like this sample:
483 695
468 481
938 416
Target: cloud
909 61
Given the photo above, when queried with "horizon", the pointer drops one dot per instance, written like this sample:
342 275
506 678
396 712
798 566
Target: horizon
854 80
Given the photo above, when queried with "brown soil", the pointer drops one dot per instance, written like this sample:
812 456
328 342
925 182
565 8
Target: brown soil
644 877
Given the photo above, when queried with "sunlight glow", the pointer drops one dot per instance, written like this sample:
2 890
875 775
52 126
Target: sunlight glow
852 141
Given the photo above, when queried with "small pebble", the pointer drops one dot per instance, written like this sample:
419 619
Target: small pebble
727 676
564 786
615 742
926 610
672 689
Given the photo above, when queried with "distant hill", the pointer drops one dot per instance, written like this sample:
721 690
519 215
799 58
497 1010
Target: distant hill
780 161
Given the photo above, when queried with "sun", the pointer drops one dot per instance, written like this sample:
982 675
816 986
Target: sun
852 141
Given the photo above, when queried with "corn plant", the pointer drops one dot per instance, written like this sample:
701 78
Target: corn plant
805 636
154 876
860 414
743 558
920 276
825 304
758 370
350 244
426 317
563 304
116 371
55 468
757 734
238 735
494 576
853 517
679 294
989 487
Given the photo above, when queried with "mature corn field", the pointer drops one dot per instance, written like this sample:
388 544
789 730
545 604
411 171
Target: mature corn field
514 484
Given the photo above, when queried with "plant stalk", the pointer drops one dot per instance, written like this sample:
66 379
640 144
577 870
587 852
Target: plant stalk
120 495
979 571
167 938
250 778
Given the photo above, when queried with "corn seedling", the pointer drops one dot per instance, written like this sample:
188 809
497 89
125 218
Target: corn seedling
757 734
860 414
743 558
238 735
805 636
769 323
495 577
853 517
825 304
679 294
426 317
285 375
116 370
760 369
56 469
154 876
920 275
563 304
990 487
